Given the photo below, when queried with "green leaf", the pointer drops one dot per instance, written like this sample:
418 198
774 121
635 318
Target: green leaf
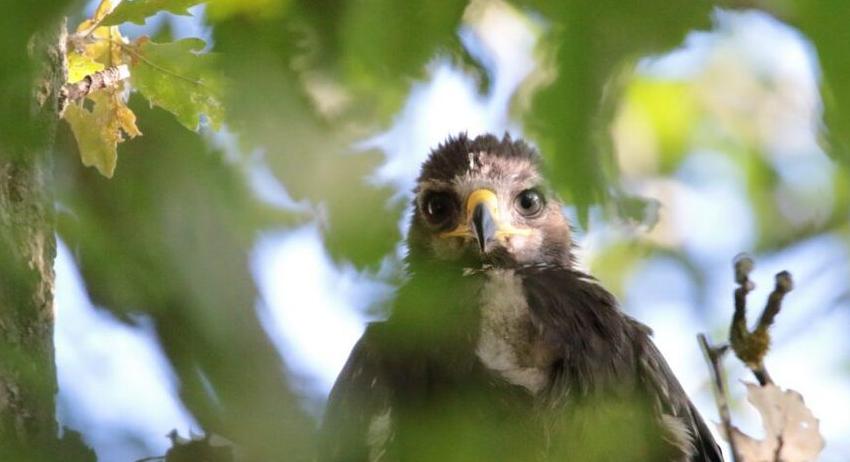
252 9
312 158
825 23
172 237
382 43
178 78
137 11
376 48
589 45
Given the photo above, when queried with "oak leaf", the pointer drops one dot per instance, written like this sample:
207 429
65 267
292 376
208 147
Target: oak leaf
177 77
137 11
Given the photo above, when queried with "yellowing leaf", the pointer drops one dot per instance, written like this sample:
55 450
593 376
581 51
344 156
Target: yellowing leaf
136 11
786 421
99 131
105 7
80 66
176 77
103 44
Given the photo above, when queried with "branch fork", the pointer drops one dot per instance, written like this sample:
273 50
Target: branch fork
749 346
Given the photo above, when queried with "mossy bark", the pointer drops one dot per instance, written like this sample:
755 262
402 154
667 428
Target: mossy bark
28 429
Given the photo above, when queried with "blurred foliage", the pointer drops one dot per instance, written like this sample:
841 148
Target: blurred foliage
824 22
137 11
299 83
589 44
170 235
731 109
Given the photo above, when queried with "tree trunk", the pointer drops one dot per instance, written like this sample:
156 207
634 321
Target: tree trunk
28 429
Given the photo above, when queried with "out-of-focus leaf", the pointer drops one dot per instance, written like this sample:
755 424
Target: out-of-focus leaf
103 9
99 131
266 9
667 112
171 235
382 43
825 23
80 65
376 47
786 421
179 78
315 160
587 45
137 11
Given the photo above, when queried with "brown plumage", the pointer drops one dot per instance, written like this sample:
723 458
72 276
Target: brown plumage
497 348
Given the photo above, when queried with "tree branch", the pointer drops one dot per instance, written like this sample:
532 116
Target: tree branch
107 78
713 356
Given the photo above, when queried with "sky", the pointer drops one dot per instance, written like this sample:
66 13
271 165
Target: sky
125 411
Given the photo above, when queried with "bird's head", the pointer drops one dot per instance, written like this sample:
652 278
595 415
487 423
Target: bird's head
483 201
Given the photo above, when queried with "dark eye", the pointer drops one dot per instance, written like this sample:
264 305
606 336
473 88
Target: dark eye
529 202
438 207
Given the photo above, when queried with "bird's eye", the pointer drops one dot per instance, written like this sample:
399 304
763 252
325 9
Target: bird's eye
438 207
529 202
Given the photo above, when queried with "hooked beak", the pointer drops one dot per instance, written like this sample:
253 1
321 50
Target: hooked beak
483 221
483 226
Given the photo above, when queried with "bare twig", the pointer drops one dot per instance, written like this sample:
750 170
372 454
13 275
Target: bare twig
107 78
784 284
713 356
751 347
738 331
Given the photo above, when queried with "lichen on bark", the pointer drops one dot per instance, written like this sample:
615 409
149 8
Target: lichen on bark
28 429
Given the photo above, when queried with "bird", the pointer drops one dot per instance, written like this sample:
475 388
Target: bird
497 346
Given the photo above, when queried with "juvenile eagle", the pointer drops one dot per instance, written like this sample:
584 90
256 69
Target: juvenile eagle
497 347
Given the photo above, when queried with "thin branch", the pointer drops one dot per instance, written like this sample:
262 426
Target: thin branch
107 78
751 347
713 356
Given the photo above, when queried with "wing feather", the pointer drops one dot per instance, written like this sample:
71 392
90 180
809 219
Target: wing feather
359 398
673 401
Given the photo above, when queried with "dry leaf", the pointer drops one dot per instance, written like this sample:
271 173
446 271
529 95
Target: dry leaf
791 431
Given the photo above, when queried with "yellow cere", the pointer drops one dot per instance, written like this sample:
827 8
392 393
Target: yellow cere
488 198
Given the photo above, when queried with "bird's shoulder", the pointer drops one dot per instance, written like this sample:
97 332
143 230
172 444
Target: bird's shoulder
604 347
359 403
